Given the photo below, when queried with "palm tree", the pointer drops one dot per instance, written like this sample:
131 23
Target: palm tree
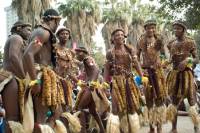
139 15
130 15
115 17
30 10
82 18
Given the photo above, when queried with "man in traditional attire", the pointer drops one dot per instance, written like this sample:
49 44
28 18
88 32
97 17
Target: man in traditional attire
39 60
65 55
126 97
14 48
66 65
180 80
92 95
13 72
150 48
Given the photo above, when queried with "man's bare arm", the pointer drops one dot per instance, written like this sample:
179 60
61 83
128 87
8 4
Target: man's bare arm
94 68
136 59
106 73
16 44
137 65
37 40
194 54
107 67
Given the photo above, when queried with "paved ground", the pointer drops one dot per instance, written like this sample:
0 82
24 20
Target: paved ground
184 126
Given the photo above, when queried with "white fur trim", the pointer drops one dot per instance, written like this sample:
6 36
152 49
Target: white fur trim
60 127
3 83
194 115
171 112
16 127
134 122
113 124
74 123
28 116
46 129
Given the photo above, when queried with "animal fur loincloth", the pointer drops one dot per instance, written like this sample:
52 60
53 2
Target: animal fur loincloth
126 94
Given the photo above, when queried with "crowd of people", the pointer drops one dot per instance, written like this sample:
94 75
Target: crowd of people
48 87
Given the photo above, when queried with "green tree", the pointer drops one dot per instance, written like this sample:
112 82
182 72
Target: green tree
197 39
99 57
140 13
130 15
82 18
116 16
189 8
31 10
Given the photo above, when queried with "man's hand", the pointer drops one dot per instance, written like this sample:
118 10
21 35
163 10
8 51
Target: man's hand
182 65
36 42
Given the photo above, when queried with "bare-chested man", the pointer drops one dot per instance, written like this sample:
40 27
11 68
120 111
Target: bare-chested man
39 59
66 62
86 99
180 80
151 47
64 36
65 65
40 50
121 60
91 68
14 48
63 54
13 52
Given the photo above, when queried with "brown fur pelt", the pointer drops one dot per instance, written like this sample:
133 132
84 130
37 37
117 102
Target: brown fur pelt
52 93
119 92
25 106
67 87
181 83
21 94
156 89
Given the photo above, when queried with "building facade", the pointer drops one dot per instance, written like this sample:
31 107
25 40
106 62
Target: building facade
11 18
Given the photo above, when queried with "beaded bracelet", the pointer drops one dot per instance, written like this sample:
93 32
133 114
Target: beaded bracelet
189 60
34 82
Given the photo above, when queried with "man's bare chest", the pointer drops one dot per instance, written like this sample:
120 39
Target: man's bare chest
44 55
179 49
